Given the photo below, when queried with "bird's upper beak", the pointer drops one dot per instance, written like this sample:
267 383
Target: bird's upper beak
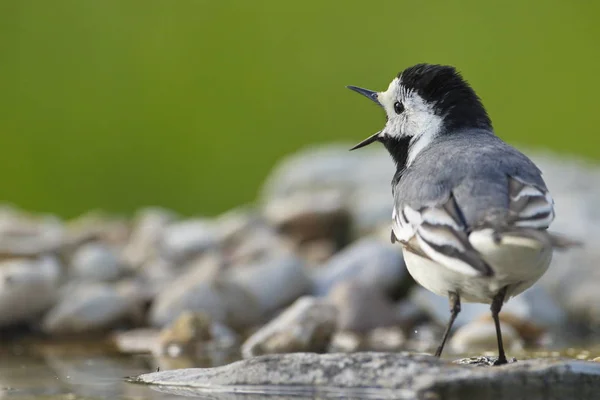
373 96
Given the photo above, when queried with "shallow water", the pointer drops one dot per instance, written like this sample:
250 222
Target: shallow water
92 370
79 371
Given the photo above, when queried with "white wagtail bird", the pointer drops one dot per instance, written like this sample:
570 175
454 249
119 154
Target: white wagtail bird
470 211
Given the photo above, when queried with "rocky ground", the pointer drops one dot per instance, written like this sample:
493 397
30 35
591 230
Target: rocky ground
382 376
308 268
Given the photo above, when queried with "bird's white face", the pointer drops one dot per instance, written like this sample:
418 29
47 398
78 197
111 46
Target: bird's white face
409 116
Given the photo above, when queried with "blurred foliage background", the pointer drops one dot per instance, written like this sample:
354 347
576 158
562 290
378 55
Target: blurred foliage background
116 104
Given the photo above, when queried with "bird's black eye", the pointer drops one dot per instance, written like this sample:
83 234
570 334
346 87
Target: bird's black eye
398 107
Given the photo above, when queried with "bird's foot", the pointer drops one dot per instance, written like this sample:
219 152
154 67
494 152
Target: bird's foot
484 361
500 361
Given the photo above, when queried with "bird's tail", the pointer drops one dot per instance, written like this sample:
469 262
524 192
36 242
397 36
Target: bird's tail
562 242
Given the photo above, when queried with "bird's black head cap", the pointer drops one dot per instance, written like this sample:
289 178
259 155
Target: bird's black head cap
450 95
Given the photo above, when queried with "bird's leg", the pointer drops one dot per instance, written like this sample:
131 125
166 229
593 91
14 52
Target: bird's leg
454 300
497 303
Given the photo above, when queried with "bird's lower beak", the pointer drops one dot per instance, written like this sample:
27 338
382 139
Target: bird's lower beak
371 95
367 141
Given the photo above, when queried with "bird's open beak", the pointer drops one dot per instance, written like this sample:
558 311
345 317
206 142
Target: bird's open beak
371 95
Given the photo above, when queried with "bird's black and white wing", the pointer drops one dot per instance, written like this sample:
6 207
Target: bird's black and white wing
439 233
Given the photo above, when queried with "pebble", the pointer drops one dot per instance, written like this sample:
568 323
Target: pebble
379 339
28 287
307 216
361 307
316 252
371 210
202 289
98 226
185 239
368 260
192 333
345 342
158 273
480 336
96 262
583 304
89 307
149 225
274 283
23 235
313 168
391 338
306 326
234 225
260 244
136 341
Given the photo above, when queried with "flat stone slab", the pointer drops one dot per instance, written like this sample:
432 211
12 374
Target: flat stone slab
382 376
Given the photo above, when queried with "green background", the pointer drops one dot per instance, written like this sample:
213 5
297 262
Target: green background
188 104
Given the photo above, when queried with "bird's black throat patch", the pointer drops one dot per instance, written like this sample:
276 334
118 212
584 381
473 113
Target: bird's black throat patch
398 149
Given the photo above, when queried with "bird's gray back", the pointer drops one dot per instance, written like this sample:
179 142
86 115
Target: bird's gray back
474 166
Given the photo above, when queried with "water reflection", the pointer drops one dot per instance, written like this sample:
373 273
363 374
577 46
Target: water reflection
75 372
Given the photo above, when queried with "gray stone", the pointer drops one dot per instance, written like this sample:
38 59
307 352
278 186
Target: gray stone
260 244
478 336
98 226
27 288
389 338
274 283
315 215
96 262
583 305
316 252
141 340
148 228
361 307
385 375
22 235
368 260
361 181
158 273
193 334
203 289
379 339
345 342
89 307
186 239
307 325
370 210
236 224
312 169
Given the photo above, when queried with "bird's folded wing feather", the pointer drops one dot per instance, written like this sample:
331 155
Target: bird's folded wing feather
440 231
